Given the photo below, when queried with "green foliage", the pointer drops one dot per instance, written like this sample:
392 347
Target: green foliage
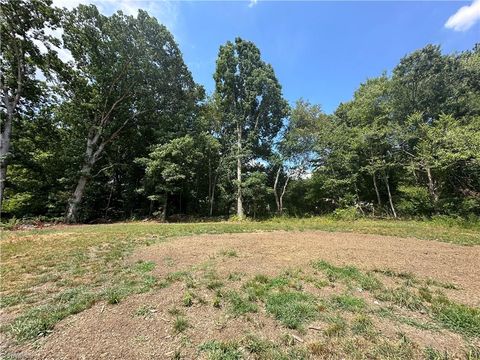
414 201
350 213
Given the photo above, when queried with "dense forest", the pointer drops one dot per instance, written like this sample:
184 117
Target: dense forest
121 130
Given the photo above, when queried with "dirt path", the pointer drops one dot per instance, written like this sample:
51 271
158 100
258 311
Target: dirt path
115 332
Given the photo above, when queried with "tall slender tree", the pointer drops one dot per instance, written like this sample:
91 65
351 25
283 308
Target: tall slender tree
250 99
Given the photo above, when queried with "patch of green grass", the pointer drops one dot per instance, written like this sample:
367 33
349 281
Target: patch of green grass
434 354
212 280
394 350
401 296
217 301
258 287
115 294
175 311
41 320
235 276
144 266
425 294
180 324
337 326
239 304
214 284
457 317
265 349
445 285
362 325
11 300
422 325
229 253
293 309
349 302
217 350
187 299
349 274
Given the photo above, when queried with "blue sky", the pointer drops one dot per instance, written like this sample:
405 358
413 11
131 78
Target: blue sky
321 51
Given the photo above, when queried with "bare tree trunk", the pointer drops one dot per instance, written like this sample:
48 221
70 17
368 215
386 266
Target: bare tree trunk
165 203
73 204
275 185
390 196
431 186
414 173
10 103
282 194
239 174
379 200
4 151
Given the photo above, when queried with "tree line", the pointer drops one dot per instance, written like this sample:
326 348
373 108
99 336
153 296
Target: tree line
121 130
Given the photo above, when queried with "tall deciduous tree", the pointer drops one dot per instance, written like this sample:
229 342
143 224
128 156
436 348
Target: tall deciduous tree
250 98
23 26
127 72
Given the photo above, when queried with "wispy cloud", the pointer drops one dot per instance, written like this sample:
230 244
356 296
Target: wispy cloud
465 17
252 3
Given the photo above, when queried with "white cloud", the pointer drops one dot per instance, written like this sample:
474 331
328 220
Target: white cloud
252 3
465 17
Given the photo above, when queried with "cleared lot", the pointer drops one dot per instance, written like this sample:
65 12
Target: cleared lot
276 295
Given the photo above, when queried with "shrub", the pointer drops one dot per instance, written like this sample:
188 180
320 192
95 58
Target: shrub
414 201
348 214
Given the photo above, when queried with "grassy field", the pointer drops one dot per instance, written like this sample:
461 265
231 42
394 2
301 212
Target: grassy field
52 273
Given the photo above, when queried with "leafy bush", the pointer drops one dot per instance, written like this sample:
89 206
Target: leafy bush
17 204
414 201
350 213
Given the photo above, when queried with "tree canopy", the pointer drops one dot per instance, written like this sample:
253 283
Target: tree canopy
122 131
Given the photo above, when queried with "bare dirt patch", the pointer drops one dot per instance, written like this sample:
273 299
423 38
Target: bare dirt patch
269 253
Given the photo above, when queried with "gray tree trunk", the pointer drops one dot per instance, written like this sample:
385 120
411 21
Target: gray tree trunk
74 203
239 174
91 157
379 200
431 186
282 194
4 152
165 203
390 197
275 185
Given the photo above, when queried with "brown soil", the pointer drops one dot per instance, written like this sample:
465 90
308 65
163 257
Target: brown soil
269 253
115 332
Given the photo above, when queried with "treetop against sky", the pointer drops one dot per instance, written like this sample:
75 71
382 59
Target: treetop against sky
320 50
